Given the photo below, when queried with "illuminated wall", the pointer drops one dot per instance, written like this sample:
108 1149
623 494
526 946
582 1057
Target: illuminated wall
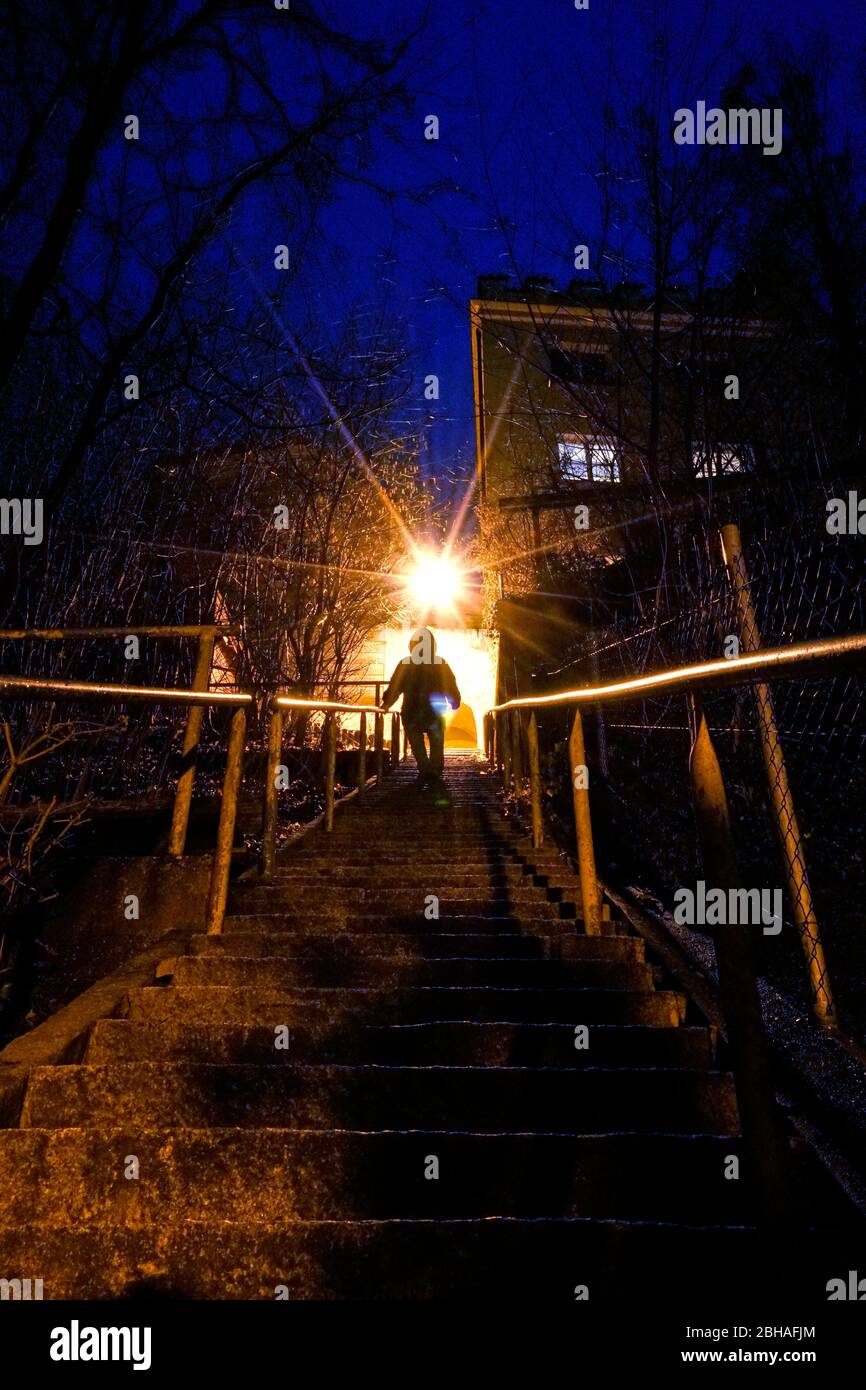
470 652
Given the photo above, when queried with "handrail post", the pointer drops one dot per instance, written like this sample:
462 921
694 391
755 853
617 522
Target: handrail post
222 860
191 738
517 751
506 750
395 741
330 768
362 754
534 782
741 1005
269 810
379 746
589 893
787 825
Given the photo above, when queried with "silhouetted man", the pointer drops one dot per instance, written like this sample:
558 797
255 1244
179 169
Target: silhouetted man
428 687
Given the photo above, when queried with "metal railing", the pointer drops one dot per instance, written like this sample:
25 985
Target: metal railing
196 700
330 708
508 734
38 688
512 744
206 635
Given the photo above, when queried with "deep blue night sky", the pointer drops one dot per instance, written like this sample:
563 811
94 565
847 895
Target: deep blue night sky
510 80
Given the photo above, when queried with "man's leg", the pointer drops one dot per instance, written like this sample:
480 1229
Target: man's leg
436 735
419 750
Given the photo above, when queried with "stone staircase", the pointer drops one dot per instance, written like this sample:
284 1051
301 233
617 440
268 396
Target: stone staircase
346 1096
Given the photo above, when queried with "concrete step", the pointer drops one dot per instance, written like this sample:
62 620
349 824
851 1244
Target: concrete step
433 944
583 1100
268 1176
658 1008
332 923
366 846
312 924
283 973
416 1044
532 905
409 897
362 850
537 1260
339 875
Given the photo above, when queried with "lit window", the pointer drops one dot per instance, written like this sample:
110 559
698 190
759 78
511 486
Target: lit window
589 460
709 459
574 460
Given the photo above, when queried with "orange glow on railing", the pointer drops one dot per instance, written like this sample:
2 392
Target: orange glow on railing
769 661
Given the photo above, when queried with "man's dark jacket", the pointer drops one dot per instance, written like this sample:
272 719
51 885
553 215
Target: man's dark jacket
426 687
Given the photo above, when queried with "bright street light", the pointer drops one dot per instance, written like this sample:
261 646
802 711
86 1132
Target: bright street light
435 581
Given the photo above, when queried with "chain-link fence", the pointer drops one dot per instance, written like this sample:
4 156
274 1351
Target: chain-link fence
792 753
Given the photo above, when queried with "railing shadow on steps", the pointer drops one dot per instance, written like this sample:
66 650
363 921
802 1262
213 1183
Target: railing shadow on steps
511 742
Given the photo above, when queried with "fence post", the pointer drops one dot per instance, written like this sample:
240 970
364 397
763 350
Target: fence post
362 754
517 751
741 1005
534 782
330 768
191 737
222 860
785 815
395 740
589 894
269 811
379 746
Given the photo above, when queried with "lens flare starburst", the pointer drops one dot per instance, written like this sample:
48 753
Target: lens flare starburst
435 582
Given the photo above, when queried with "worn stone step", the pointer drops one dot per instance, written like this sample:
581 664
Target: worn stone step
583 1100
341 945
331 920
418 1044
530 903
444 830
372 876
537 1260
432 944
312 924
480 887
268 1176
221 1004
363 848
410 894
282 973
